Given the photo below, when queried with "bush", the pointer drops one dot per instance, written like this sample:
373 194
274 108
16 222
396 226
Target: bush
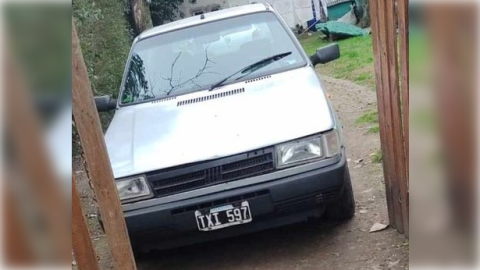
105 39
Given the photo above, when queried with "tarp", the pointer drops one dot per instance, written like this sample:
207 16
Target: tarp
340 29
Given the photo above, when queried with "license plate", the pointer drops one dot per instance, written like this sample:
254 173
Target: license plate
223 216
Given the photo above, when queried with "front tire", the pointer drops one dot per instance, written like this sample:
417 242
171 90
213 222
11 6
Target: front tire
344 207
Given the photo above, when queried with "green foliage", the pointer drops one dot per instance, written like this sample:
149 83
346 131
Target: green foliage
88 14
355 63
105 40
164 11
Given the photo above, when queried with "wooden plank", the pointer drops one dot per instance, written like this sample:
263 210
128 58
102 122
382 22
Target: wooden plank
379 75
395 113
81 241
17 247
34 161
386 126
404 69
404 82
392 133
456 72
384 112
97 162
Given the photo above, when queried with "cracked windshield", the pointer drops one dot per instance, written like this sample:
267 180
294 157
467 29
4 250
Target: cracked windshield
196 58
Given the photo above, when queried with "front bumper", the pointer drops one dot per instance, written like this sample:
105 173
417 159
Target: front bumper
280 202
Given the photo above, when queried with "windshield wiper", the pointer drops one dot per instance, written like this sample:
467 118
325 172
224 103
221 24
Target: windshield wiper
252 68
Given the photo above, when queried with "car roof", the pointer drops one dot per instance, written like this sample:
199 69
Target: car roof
207 17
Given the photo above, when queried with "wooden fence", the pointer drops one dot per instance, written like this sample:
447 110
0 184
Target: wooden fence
455 82
389 21
29 166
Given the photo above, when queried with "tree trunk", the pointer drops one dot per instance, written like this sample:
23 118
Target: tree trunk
140 16
365 20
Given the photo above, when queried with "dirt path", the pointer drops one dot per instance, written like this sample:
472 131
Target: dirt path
315 245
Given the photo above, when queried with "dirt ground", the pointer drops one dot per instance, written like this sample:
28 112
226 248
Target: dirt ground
314 245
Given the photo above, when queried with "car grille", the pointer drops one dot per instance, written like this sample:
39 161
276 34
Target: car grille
203 174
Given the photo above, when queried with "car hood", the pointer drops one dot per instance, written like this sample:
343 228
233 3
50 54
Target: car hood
206 125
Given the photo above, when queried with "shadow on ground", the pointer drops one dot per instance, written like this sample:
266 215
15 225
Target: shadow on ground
251 251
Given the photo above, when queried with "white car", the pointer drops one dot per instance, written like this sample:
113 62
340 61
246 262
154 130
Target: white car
222 127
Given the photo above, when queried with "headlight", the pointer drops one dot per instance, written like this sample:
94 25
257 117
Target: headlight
332 144
299 151
133 187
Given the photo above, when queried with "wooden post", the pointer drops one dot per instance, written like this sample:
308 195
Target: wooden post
455 72
404 84
384 32
18 249
81 241
34 161
97 161
375 22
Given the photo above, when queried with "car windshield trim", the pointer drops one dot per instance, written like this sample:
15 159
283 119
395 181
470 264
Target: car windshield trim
296 45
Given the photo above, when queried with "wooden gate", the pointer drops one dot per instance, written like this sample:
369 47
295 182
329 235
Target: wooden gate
389 21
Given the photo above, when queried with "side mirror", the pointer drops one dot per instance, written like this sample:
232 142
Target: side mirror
105 103
325 54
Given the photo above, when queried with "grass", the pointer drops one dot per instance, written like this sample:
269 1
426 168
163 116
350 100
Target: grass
371 119
355 63
374 129
377 156
368 118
